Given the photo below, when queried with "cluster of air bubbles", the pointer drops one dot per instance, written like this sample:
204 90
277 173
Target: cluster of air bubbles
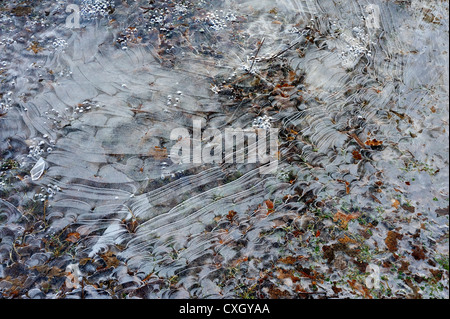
59 44
67 72
4 108
357 45
128 36
52 116
284 175
36 22
39 147
219 20
158 16
7 41
3 64
47 192
174 100
5 105
93 9
82 107
5 19
164 172
181 8
156 20
262 122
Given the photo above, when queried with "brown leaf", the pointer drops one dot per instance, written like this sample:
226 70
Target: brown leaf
269 205
231 215
73 237
35 47
410 209
395 203
360 288
292 77
289 260
158 153
374 143
283 274
418 253
110 259
347 240
21 11
131 225
344 219
84 261
357 155
239 261
336 289
391 241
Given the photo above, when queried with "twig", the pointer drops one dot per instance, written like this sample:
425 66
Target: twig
285 50
357 140
257 52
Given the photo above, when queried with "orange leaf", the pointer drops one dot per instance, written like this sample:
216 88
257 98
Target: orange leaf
292 76
374 142
73 237
357 155
344 219
395 203
288 260
360 288
158 153
269 205
347 240
231 215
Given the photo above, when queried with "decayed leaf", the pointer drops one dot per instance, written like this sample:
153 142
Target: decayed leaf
374 142
110 259
270 206
360 288
289 260
239 261
347 185
357 155
391 240
35 47
131 225
73 237
283 274
395 203
347 240
418 253
21 11
158 153
344 219
231 215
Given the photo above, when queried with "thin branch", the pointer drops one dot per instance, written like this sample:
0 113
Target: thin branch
285 50
257 52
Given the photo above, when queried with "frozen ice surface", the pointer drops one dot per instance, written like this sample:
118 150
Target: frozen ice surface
358 90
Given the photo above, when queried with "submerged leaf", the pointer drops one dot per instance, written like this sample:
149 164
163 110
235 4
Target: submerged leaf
38 169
